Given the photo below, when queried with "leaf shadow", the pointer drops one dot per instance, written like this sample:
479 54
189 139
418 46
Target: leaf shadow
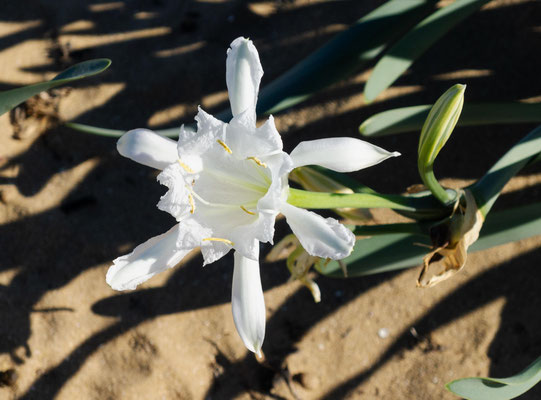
515 344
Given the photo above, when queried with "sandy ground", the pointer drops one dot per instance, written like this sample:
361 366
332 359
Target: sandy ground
70 204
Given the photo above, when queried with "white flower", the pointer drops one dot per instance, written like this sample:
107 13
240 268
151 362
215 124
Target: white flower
227 182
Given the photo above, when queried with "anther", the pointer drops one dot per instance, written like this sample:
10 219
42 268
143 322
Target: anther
258 161
221 143
247 211
212 239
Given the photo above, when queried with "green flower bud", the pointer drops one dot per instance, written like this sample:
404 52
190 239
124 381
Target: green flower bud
436 131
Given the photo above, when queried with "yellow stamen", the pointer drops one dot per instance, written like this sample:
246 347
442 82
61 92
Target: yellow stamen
186 168
192 204
258 161
245 210
224 146
229 242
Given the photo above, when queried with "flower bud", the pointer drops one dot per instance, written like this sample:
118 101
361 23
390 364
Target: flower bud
440 124
436 131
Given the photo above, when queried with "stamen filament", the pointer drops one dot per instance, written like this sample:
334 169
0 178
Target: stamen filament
192 204
226 241
247 211
257 161
186 167
221 143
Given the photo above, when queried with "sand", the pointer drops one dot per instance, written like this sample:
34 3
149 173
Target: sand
69 205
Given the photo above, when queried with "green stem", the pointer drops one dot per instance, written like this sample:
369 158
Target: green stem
427 175
318 200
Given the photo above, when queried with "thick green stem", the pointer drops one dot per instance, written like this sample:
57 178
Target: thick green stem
318 200
445 197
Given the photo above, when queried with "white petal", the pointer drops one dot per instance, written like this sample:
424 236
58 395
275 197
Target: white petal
147 148
227 179
212 251
280 165
243 75
209 130
176 201
248 303
243 236
153 256
195 232
339 154
321 237
247 141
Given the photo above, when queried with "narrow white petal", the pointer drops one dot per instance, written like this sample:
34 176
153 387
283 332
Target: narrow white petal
321 237
339 154
243 75
248 303
148 148
153 256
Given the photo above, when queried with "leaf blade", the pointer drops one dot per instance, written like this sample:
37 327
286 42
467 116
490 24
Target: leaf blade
346 52
94 130
497 388
12 98
396 251
412 45
487 189
409 119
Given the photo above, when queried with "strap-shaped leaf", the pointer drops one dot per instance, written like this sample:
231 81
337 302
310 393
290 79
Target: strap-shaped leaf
345 53
408 49
388 252
11 98
410 119
95 130
487 189
497 388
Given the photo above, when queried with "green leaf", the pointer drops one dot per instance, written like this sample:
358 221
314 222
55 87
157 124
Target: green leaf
12 98
380 254
412 45
388 252
346 53
94 130
487 189
497 388
409 119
